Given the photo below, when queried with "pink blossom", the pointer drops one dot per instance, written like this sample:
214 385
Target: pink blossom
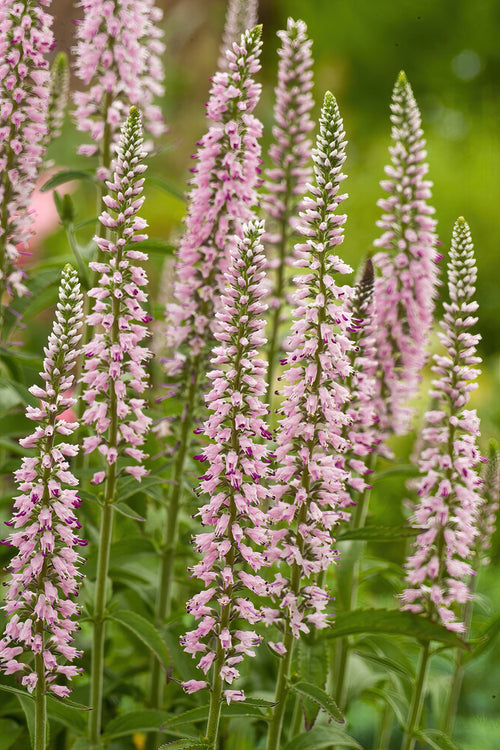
25 40
449 484
118 58
45 569
240 16
236 464
115 376
405 291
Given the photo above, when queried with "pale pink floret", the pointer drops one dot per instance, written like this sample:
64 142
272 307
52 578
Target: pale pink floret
240 16
449 486
25 40
118 59
41 616
310 479
237 461
222 198
115 357
406 288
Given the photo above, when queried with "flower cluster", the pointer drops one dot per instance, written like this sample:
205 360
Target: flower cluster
115 359
489 509
25 39
118 58
223 195
405 291
236 463
45 569
240 16
438 569
310 483
58 96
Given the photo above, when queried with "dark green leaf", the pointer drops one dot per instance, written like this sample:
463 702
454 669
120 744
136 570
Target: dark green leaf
127 511
68 715
16 691
320 697
392 621
313 668
322 737
247 709
157 246
28 706
379 533
146 632
161 182
9 732
186 745
130 486
146 720
66 175
436 739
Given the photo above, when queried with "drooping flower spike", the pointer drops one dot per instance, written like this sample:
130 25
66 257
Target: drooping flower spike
290 153
240 16
44 572
25 39
232 542
310 484
405 291
448 489
118 59
115 376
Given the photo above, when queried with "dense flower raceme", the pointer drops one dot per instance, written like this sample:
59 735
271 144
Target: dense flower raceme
240 16
115 357
405 291
25 39
237 461
118 58
45 573
488 511
58 96
223 194
439 567
310 478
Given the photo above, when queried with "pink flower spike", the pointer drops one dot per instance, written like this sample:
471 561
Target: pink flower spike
234 522
439 568
407 261
44 573
240 16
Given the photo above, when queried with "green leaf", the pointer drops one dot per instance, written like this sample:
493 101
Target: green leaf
186 745
320 697
66 175
313 668
9 732
392 621
146 632
157 246
485 639
396 701
146 720
127 511
69 714
322 737
161 182
16 691
28 706
250 708
436 739
129 487
386 664
379 533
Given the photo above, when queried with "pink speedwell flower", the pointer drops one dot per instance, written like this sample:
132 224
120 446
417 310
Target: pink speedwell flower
448 488
45 569
223 195
118 58
115 357
405 291
240 16
25 40
309 481
236 463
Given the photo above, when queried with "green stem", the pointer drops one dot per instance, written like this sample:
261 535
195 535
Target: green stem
40 697
282 688
385 729
417 700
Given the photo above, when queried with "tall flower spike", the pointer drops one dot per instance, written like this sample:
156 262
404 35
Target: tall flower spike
45 574
240 16
25 40
405 291
236 463
290 153
309 483
58 96
118 59
439 567
115 358
489 509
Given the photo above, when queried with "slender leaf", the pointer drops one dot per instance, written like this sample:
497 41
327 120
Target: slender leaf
127 511
323 737
28 707
385 663
379 533
9 732
161 247
68 715
186 745
396 701
320 697
393 621
146 632
146 720
436 739
485 639
246 709
313 669
67 175
16 691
